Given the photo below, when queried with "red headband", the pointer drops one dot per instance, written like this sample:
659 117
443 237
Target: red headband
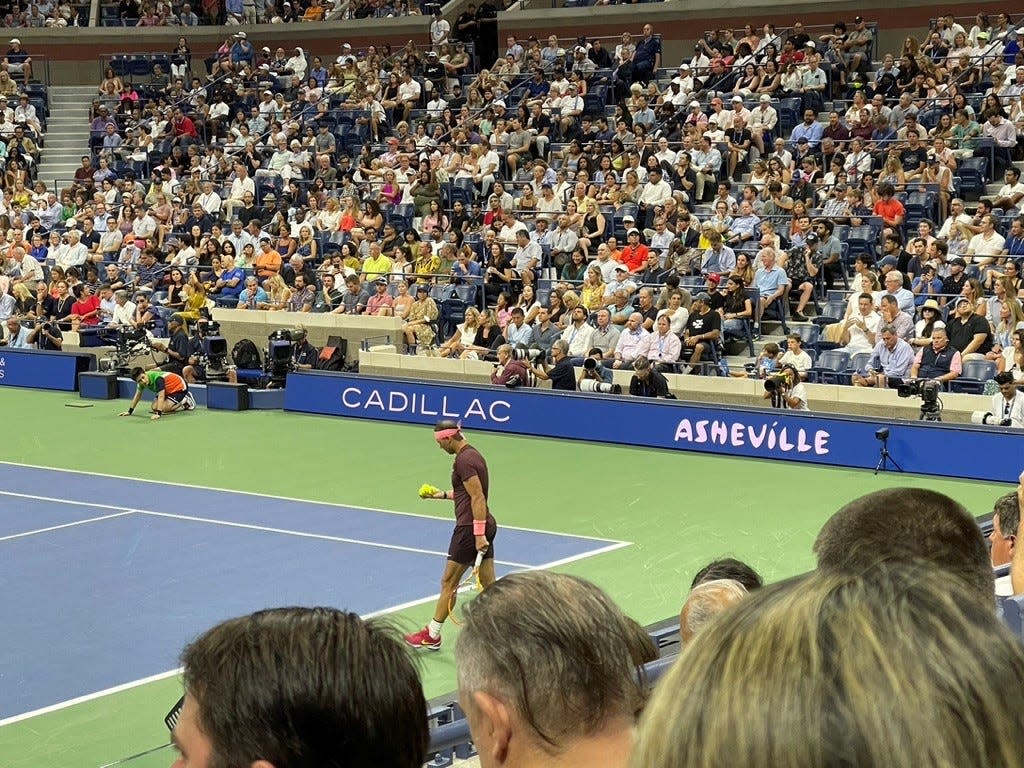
444 434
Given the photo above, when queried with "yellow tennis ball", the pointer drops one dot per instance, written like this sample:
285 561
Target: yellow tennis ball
426 491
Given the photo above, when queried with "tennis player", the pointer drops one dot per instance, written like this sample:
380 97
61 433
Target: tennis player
171 392
475 528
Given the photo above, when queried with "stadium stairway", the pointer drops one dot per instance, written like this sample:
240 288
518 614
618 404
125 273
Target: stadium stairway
67 134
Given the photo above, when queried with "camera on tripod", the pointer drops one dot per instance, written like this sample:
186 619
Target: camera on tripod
928 390
279 360
129 342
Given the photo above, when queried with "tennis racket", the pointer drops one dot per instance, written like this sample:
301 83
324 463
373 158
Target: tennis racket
469 584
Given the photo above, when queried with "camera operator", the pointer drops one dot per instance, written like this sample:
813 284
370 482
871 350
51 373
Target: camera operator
1008 403
46 335
304 354
785 389
648 382
561 374
509 372
176 348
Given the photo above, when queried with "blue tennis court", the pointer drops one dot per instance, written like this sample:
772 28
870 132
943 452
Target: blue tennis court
105 579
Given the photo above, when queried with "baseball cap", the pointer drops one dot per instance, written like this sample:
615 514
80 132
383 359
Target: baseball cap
633 231
380 281
958 260
498 103
422 288
346 46
887 261
269 197
961 300
931 304
811 238
703 296
14 41
622 268
1019 30
431 54
810 44
265 49
265 239
737 99
241 35
579 49
694 103
714 277
858 19
983 34
765 98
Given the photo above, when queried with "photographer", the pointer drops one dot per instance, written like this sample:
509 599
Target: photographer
1008 403
594 377
648 382
785 389
46 335
561 374
509 372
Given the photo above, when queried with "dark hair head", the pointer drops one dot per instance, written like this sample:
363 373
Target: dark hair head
1008 509
729 568
307 687
907 525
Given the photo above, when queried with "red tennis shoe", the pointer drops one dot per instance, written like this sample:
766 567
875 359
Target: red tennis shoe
422 641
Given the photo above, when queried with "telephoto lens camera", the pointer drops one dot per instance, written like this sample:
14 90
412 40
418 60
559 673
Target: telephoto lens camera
775 382
988 420
532 354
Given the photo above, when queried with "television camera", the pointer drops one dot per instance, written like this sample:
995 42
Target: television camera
928 390
129 342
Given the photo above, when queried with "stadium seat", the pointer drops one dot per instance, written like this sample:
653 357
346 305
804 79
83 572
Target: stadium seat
828 365
972 379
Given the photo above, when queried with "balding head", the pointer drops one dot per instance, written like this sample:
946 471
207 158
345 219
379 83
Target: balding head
705 601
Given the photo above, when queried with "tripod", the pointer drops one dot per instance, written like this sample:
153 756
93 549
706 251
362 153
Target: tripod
884 457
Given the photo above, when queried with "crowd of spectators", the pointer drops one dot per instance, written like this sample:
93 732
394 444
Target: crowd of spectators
703 198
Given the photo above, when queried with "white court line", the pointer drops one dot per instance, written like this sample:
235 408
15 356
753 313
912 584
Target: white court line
65 525
302 501
612 545
304 535
245 526
172 672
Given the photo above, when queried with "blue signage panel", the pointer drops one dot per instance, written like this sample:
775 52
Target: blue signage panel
919 447
42 370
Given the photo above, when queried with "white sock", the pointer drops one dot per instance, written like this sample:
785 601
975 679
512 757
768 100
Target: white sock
434 629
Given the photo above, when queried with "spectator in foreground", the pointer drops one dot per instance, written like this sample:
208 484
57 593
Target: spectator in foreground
252 697
548 673
706 601
1003 539
905 525
898 666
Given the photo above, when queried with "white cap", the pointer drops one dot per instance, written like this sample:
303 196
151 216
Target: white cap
694 103
499 103
810 44
737 99
765 98
1019 30
241 35
14 41
346 45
